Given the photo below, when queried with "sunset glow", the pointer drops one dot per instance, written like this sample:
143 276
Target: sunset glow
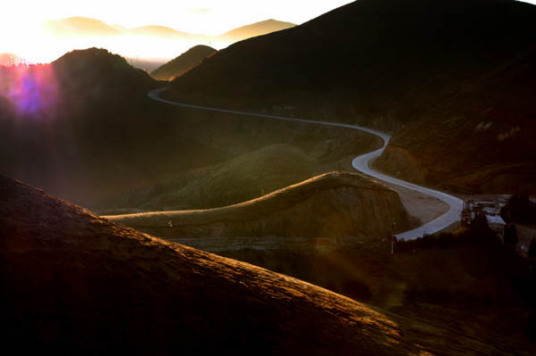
32 90
25 22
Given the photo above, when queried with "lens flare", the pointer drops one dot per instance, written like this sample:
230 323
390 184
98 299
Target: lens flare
33 90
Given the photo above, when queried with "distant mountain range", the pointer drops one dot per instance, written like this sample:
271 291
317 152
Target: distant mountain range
83 26
441 66
159 31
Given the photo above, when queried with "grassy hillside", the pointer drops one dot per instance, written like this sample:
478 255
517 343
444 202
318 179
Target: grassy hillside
227 159
74 283
183 63
488 128
441 65
84 129
333 206
467 280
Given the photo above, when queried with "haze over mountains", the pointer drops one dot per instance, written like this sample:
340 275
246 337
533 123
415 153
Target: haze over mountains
416 64
81 26
159 42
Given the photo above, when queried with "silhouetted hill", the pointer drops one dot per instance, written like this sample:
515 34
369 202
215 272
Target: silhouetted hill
183 63
391 63
67 121
98 74
71 282
255 29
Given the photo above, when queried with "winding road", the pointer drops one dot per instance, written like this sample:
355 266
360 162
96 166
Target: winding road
360 164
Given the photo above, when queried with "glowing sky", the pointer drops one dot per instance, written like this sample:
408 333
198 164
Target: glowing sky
200 16
21 21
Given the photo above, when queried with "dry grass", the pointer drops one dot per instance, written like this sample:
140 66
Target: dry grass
73 282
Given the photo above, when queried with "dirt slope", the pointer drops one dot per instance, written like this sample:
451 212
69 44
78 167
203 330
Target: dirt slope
453 79
75 283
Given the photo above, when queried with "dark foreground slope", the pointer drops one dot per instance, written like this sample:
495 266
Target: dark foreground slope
433 67
74 283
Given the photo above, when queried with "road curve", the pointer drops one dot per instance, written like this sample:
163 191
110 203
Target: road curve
360 164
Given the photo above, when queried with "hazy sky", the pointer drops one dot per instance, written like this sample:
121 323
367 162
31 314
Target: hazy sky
201 16
20 21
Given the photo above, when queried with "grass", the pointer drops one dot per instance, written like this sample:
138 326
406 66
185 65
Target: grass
335 204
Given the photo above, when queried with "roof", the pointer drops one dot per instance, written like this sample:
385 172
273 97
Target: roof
495 219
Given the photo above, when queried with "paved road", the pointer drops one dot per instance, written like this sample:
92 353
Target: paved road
361 164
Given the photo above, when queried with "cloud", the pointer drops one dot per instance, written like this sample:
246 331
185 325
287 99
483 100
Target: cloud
199 10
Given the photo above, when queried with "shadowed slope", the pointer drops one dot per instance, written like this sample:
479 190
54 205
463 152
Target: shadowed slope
74 283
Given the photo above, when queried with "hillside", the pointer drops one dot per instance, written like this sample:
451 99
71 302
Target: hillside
488 129
66 117
86 131
183 63
349 52
255 29
391 64
236 180
333 205
75 283
96 74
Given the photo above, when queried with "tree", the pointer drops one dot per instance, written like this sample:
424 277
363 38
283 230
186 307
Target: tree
510 234
532 248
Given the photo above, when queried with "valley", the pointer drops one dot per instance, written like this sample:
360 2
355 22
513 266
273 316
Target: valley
356 180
